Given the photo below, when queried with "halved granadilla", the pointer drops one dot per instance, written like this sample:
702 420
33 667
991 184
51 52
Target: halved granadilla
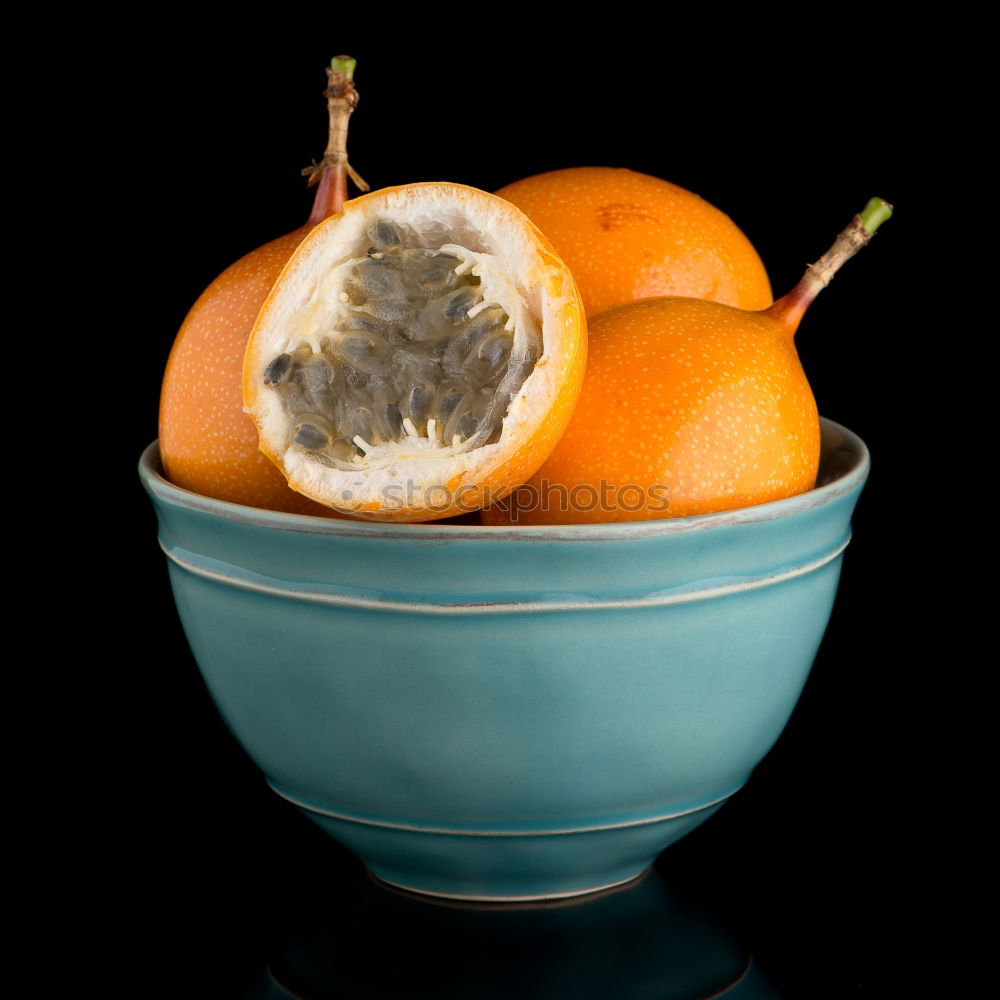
419 356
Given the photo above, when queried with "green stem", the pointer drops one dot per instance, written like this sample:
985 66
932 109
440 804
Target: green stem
874 214
789 309
344 64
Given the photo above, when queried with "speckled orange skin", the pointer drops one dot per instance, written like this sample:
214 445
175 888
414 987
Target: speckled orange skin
692 402
628 236
207 443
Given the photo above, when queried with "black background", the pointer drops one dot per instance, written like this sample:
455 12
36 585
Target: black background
196 148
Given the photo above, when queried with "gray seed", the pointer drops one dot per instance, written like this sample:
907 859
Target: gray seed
357 380
369 354
490 319
513 379
318 374
379 278
437 275
449 401
362 423
489 406
384 235
488 363
355 349
394 419
406 370
293 393
463 408
419 402
277 371
311 433
388 332
468 425
457 305
397 313
495 349
324 383
461 350
372 280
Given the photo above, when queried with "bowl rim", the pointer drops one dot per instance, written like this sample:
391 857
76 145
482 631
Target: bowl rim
845 482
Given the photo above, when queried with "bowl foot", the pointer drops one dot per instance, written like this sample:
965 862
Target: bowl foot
529 898
510 865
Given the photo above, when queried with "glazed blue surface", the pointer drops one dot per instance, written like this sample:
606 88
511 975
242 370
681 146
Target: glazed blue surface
508 712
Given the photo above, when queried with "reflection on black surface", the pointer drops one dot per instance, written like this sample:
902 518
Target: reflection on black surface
644 940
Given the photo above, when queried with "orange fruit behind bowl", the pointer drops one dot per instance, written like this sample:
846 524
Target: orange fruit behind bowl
627 235
207 443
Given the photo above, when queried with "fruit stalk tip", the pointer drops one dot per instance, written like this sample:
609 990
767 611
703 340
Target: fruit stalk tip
344 64
874 214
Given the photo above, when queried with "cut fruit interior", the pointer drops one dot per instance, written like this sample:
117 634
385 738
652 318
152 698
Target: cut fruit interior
420 355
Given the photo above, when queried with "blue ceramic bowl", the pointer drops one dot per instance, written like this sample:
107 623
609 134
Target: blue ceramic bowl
508 713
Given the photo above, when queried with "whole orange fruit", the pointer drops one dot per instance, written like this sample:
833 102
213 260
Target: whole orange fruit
688 407
207 443
627 236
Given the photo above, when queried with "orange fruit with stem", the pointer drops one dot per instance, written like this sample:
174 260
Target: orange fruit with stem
420 354
689 407
628 236
207 443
